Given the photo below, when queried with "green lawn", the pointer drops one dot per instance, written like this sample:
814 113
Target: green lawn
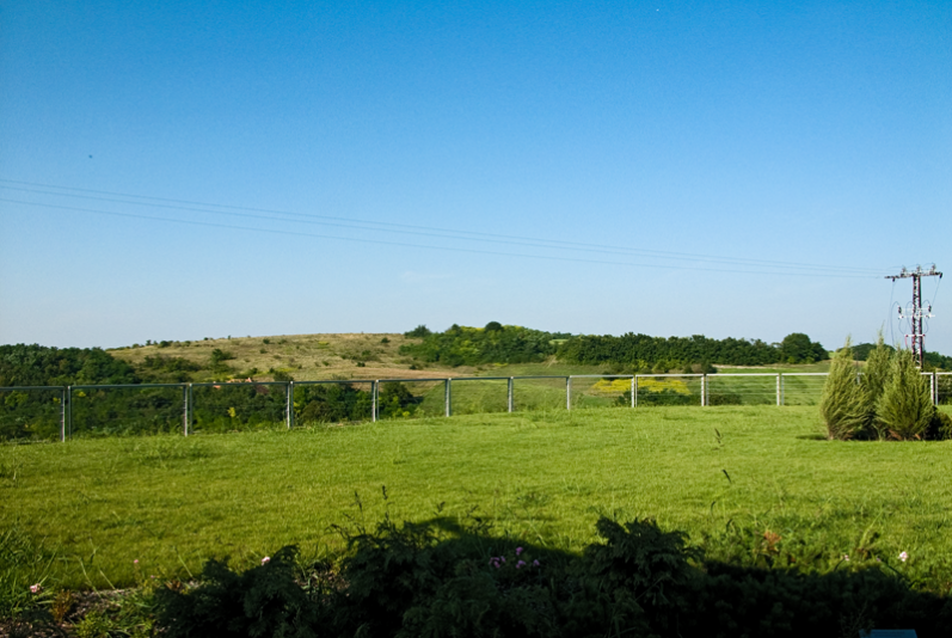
172 502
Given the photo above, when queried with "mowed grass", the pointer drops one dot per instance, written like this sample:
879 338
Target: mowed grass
546 476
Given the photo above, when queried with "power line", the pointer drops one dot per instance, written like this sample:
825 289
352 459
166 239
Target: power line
771 267
403 244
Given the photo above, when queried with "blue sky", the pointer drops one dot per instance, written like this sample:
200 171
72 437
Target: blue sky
191 169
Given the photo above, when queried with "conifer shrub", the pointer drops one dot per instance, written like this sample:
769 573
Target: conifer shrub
874 379
844 403
904 411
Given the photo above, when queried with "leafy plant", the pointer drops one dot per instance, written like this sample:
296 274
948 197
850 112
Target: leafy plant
438 579
262 601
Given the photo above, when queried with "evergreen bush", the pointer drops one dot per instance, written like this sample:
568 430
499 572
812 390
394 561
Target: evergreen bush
874 380
844 403
905 410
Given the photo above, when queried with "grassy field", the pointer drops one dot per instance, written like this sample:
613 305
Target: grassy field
97 505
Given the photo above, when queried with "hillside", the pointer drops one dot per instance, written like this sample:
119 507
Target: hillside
331 356
303 357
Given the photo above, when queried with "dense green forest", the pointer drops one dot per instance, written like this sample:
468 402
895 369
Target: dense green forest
22 365
629 353
495 343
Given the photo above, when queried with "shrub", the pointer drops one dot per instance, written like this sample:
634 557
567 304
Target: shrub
395 400
416 580
844 403
262 601
874 380
640 580
282 375
332 402
419 332
219 356
905 409
940 429
724 398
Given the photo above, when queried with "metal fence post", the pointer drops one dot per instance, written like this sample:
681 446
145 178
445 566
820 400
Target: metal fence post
63 414
290 407
635 398
185 408
933 387
373 401
69 411
779 390
632 390
509 394
568 393
704 390
448 397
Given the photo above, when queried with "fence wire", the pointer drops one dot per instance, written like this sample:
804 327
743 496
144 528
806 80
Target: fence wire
60 412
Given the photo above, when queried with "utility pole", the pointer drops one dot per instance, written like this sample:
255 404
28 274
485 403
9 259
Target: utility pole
916 313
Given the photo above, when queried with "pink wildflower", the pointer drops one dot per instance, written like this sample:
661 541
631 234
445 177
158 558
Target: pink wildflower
903 556
36 589
265 560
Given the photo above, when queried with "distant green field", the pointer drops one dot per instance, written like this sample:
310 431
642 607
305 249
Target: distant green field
97 505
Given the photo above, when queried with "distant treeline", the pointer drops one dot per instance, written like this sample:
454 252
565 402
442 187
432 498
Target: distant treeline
933 360
39 365
642 352
461 345
37 414
936 361
495 343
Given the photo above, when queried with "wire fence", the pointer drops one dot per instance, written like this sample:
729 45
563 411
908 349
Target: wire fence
60 412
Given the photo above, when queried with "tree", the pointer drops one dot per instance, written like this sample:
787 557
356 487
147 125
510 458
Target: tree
905 409
844 404
797 348
419 332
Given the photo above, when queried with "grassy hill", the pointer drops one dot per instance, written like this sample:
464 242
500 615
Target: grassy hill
345 356
303 357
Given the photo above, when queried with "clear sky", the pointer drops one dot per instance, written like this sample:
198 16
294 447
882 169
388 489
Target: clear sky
181 170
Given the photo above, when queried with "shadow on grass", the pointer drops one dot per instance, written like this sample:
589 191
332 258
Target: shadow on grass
447 577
